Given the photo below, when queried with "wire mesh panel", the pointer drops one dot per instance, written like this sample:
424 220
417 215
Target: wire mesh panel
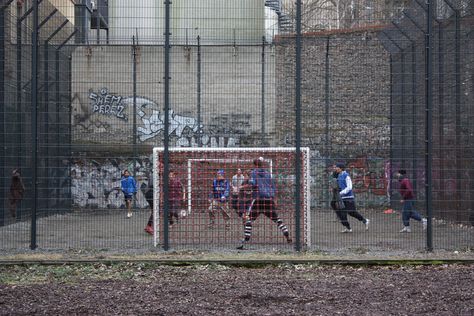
89 88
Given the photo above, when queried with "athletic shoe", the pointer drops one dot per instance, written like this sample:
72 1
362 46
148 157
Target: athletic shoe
241 247
149 229
367 221
289 240
346 230
424 221
406 229
129 214
211 224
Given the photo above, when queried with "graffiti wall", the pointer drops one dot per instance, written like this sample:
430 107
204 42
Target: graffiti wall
220 106
95 183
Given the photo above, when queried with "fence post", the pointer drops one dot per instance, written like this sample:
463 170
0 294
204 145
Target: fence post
414 126
391 133
413 101
166 129
402 110
263 94
429 121
199 122
19 110
298 126
327 103
134 113
34 121
457 65
457 38
441 109
3 180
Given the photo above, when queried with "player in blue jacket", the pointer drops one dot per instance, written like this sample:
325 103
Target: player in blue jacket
219 199
129 189
263 201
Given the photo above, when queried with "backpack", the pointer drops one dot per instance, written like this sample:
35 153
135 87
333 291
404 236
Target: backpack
265 184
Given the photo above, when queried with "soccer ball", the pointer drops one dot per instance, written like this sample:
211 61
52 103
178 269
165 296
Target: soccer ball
183 213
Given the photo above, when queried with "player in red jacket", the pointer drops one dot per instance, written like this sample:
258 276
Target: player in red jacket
408 200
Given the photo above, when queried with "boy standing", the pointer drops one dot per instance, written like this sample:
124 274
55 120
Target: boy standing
129 189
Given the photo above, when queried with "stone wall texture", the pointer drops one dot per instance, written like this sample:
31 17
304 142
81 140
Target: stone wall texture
345 93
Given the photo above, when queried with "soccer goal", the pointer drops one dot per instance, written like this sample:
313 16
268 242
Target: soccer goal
196 169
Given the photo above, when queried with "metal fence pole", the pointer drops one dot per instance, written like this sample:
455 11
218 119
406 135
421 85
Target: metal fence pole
34 121
429 122
19 92
134 82
263 93
3 180
199 120
166 129
298 126
327 104
391 132
440 89
413 101
414 110
457 64
402 105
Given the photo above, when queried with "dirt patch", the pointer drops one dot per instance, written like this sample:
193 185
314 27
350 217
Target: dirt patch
99 289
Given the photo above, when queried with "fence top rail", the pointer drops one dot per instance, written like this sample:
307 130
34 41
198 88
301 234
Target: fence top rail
236 149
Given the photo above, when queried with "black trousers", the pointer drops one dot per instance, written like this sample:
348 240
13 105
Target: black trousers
350 210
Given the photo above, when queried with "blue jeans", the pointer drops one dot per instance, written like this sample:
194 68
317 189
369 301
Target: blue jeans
409 212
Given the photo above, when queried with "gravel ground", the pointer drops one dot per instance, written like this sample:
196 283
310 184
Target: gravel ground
150 289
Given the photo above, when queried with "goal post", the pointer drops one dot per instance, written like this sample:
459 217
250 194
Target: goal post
196 169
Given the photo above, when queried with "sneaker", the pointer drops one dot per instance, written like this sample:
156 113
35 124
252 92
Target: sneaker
289 240
241 247
424 222
346 230
211 224
149 229
406 229
129 214
367 221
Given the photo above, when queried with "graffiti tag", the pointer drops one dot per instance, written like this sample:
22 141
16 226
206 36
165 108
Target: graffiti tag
107 104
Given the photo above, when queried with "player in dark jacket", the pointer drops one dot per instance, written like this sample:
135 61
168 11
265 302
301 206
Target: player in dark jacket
17 188
408 200
263 201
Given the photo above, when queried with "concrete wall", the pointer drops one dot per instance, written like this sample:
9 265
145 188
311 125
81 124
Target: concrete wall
231 95
215 21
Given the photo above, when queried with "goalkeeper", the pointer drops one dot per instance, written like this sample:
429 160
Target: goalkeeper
263 201
218 199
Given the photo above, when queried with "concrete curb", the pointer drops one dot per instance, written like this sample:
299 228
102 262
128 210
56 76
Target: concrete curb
242 262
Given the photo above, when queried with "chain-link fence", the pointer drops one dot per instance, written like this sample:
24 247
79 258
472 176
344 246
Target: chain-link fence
89 88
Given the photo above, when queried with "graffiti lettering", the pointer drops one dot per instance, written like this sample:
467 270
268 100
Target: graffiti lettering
107 104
